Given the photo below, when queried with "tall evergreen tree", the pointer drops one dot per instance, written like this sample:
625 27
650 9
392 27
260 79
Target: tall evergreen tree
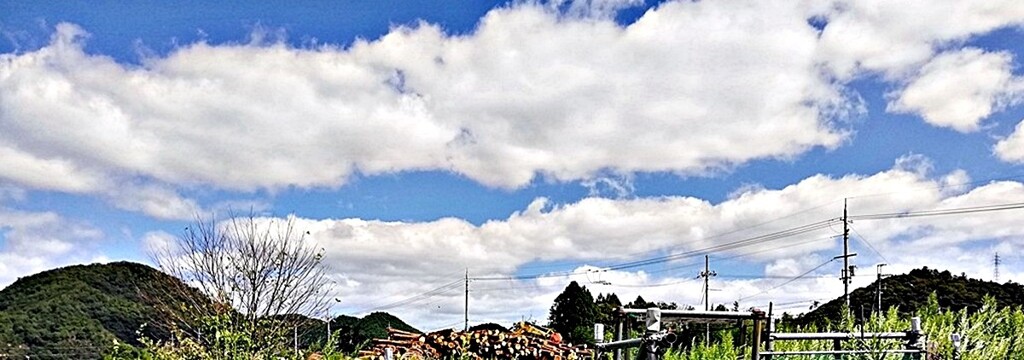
605 308
573 314
639 303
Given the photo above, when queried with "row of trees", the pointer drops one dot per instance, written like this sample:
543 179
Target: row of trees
575 311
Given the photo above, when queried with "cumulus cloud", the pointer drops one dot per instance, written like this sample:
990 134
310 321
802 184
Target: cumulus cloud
893 37
560 92
958 89
556 90
496 105
31 242
1011 148
592 9
392 261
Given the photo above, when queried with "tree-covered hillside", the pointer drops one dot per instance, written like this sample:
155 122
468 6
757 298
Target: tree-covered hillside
351 332
78 311
910 291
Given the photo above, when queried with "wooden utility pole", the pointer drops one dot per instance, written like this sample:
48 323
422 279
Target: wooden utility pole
878 288
707 274
846 257
466 314
847 272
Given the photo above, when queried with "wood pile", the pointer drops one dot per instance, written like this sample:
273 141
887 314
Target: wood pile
480 344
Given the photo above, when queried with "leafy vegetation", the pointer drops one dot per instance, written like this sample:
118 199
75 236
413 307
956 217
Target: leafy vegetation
573 314
79 311
82 311
988 332
910 291
350 333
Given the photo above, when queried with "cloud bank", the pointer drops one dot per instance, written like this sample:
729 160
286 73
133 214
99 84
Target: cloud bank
558 91
397 260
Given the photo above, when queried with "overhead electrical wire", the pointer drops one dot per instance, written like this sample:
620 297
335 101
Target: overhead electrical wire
787 282
940 187
416 298
719 235
940 212
799 230
782 234
866 242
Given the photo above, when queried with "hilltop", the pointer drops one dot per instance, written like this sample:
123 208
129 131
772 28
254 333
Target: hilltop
79 311
910 291
354 332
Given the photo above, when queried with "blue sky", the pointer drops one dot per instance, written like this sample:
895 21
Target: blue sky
419 139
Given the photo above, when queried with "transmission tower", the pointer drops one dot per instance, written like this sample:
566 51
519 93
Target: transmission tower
996 263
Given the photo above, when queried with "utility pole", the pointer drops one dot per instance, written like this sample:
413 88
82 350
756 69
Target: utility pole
878 287
466 314
847 272
295 337
707 274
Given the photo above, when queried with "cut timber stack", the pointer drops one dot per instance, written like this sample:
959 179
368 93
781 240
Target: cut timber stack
480 344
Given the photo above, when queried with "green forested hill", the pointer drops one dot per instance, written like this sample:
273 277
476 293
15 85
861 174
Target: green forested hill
910 291
78 311
353 332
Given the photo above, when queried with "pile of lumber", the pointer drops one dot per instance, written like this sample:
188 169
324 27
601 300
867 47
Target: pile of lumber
479 344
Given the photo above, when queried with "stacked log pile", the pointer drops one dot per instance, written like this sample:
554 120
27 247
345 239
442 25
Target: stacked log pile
480 344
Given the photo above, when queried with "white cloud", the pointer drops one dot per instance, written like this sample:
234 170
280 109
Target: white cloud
386 262
1011 148
46 174
153 200
959 89
894 37
558 90
498 105
31 242
592 9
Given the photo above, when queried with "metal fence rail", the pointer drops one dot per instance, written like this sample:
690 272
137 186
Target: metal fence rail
655 340
912 342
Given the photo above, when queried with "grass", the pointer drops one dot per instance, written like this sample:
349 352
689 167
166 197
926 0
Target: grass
990 333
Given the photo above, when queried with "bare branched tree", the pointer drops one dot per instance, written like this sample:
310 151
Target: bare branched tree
259 272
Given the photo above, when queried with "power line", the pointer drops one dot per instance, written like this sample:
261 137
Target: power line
799 230
688 265
940 212
415 298
716 236
943 186
787 282
866 242
795 231
782 234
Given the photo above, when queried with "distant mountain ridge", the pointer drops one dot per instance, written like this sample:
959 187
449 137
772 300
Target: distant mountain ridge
910 291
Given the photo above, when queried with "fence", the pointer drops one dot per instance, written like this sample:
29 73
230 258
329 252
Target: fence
656 340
